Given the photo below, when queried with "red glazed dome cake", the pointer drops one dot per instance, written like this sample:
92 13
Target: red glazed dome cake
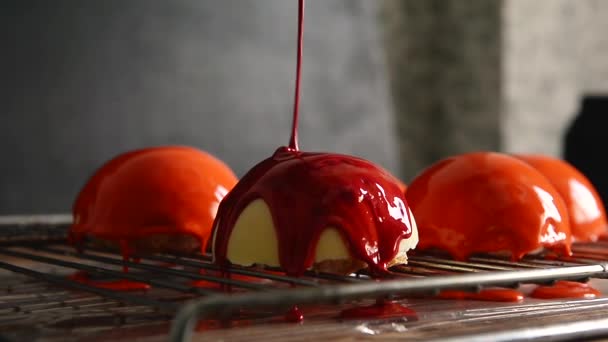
322 211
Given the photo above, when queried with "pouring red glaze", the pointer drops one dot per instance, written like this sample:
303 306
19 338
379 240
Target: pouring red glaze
585 208
488 202
293 140
171 190
307 192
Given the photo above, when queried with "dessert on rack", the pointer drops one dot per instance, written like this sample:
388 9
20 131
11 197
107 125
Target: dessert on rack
585 208
158 199
488 202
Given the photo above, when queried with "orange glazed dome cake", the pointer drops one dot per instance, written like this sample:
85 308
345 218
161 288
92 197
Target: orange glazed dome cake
157 199
488 202
585 208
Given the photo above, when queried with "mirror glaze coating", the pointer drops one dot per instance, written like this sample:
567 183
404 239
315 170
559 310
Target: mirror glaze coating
307 192
402 186
159 190
487 202
585 208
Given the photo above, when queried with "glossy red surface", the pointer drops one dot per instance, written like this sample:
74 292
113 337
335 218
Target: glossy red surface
488 202
382 309
233 276
402 186
565 289
490 295
123 285
306 193
159 190
585 208
294 315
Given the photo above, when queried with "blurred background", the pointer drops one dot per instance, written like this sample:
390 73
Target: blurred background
400 82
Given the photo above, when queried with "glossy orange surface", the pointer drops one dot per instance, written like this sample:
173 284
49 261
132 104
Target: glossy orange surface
566 289
487 202
402 186
159 190
585 208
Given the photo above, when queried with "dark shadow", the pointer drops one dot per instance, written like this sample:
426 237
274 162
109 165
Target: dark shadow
586 144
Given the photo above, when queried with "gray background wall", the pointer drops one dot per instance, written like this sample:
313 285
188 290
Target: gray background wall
491 75
84 80
444 59
400 82
554 52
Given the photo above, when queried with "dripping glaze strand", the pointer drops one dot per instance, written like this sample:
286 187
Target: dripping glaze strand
293 142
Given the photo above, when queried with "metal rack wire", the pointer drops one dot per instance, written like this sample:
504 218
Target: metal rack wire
257 289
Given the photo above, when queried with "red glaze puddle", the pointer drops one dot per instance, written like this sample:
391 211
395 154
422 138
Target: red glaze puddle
205 284
566 289
123 285
584 256
206 325
294 315
226 287
591 249
382 309
490 295
125 252
233 276
242 277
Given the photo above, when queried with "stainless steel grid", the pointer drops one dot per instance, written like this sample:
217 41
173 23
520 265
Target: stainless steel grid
173 296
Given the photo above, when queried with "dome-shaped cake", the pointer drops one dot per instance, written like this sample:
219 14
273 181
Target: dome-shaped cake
585 208
328 212
156 199
488 202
